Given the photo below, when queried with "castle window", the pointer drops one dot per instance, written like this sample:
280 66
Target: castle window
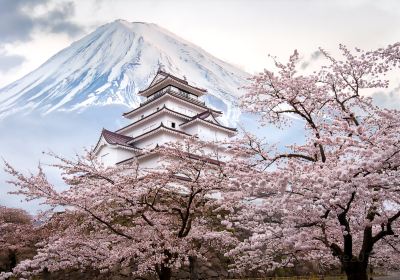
142 116
172 124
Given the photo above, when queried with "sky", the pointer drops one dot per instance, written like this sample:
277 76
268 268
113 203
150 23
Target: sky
242 32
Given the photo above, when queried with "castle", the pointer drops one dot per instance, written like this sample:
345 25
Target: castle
172 110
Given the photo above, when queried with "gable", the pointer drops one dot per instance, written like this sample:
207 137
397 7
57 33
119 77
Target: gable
211 119
159 77
100 145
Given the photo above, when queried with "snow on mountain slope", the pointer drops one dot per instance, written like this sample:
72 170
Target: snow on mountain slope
110 65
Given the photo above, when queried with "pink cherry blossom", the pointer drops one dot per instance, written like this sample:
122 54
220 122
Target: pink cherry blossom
153 222
334 200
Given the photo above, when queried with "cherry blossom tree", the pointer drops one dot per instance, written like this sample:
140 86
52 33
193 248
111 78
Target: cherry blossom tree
115 218
334 198
17 235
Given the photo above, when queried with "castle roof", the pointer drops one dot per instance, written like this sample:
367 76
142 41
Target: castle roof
117 139
167 79
173 94
163 109
189 155
164 89
203 117
161 127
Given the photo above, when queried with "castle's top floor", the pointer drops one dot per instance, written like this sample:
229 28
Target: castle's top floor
163 80
166 88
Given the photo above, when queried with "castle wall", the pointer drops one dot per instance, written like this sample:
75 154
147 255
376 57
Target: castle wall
175 100
159 138
110 155
107 156
172 103
149 162
206 132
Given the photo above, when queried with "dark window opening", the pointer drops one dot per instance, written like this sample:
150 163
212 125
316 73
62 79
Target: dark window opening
173 125
142 116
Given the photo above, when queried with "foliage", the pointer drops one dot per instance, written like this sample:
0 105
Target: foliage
17 237
151 222
333 199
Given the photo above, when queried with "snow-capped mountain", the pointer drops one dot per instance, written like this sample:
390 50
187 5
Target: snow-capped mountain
111 64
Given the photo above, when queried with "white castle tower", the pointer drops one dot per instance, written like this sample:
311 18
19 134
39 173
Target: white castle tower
172 111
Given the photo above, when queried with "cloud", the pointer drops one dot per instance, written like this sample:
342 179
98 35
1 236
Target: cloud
57 20
19 19
9 61
313 57
390 100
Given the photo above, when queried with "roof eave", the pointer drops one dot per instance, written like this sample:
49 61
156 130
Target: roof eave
228 129
172 81
158 129
163 109
129 114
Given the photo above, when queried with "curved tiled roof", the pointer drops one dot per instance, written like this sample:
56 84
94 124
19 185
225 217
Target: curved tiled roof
170 80
189 155
203 116
165 74
161 126
116 139
185 99
163 109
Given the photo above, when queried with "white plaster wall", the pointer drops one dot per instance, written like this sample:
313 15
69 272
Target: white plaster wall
168 137
107 156
152 162
205 132
110 155
159 138
149 142
149 162
123 154
151 108
183 107
168 119
171 103
154 122
191 129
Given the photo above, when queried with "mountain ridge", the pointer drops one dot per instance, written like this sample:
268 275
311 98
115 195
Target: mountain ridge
111 64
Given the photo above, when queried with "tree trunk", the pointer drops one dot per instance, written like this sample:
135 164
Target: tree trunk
12 260
46 274
164 273
194 275
356 271
360 275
